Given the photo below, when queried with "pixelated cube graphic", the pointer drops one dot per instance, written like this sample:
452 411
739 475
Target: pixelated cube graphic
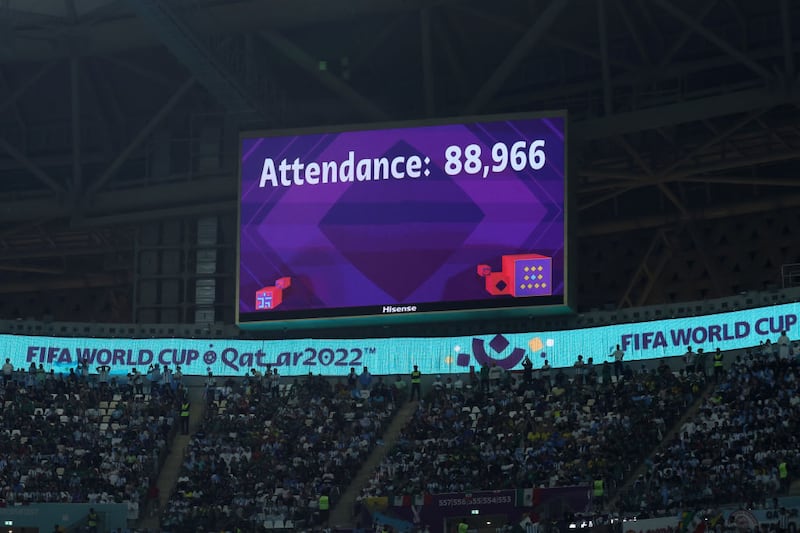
521 275
268 298
531 274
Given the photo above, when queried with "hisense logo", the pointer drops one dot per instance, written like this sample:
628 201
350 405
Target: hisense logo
399 308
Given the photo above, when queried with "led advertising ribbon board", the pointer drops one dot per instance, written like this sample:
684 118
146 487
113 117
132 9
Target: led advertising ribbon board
639 341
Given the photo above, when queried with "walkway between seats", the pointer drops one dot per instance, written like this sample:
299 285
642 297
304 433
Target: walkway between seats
168 477
689 414
342 513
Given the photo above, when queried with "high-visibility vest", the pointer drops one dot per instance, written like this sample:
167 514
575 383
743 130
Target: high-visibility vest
783 471
598 488
185 409
717 359
92 519
324 503
463 527
416 376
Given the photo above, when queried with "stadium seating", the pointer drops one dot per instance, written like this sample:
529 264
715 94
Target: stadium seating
732 449
70 440
263 456
517 434
261 460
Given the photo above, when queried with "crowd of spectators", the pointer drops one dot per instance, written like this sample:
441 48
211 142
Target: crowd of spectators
266 456
80 437
267 453
740 447
499 430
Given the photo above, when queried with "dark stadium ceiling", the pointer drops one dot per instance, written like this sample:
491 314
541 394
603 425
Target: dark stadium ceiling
116 113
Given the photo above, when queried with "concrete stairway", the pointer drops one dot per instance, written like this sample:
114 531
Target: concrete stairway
710 386
342 512
168 477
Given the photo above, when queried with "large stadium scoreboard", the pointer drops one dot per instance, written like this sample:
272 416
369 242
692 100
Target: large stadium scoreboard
423 219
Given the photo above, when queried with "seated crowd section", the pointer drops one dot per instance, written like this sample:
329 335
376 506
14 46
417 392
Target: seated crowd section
516 431
740 447
267 449
265 455
76 439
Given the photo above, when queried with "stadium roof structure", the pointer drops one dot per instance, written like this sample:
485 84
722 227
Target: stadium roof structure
119 119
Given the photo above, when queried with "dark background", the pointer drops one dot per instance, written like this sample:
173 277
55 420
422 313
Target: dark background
119 122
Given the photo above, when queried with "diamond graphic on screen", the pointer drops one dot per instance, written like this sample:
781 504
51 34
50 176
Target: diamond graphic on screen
498 343
514 267
268 298
399 238
484 359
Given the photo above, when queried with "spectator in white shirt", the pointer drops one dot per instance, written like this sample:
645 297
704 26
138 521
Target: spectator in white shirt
783 345
8 371
618 355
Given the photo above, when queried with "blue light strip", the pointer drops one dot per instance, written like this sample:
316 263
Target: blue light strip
639 341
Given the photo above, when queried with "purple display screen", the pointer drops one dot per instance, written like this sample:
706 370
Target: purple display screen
402 220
